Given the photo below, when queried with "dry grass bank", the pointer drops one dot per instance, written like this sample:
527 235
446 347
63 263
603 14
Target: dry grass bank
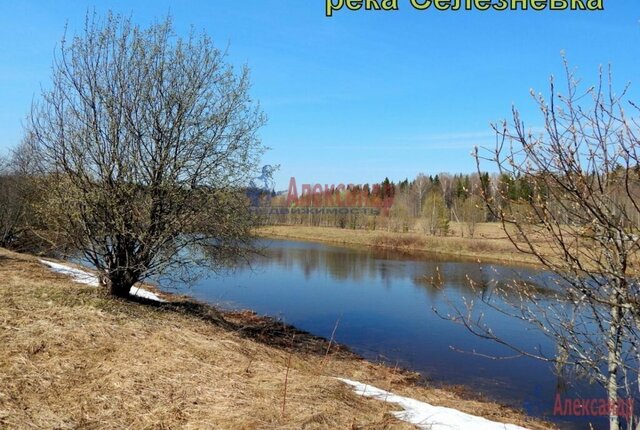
72 357
489 244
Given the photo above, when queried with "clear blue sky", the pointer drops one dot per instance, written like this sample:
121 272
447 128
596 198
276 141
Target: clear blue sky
362 95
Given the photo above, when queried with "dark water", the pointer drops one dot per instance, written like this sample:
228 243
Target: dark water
384 303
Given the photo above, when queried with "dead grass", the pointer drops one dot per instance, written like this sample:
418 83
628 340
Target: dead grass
489 243
400 242
72 357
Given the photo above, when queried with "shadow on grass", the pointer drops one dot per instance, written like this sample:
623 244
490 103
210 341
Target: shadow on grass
248 324
273 332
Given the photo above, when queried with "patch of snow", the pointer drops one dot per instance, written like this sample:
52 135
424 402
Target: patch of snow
145 294
79 276
82 277
426 416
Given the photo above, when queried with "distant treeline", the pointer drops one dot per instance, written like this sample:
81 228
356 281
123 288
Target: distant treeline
427 203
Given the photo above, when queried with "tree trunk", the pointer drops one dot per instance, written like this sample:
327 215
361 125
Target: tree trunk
118 282
119 290
613 363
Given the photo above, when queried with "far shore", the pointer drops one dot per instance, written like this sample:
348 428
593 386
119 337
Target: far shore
488 245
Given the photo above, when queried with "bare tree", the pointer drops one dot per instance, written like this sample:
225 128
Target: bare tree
146 141
420 186
11 205
399 214
436 216
581 223
17 194
472 213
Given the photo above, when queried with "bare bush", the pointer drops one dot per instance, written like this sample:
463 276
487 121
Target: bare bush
11 206
146 141
18 194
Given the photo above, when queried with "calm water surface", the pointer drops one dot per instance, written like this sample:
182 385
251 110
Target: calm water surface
384 303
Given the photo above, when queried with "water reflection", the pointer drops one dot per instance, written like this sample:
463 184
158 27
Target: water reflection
433 272
385 300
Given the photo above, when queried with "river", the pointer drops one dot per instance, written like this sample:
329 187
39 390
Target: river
381 304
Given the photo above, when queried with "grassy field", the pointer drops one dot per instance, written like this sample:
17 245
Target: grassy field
72 357
489 244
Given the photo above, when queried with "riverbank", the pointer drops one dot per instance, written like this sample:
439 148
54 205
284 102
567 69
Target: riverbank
489 243
72 356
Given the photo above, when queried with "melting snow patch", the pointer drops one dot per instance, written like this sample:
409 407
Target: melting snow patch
426 416
82 277
141 292
77 275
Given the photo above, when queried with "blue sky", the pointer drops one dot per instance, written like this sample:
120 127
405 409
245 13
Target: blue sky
361 95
